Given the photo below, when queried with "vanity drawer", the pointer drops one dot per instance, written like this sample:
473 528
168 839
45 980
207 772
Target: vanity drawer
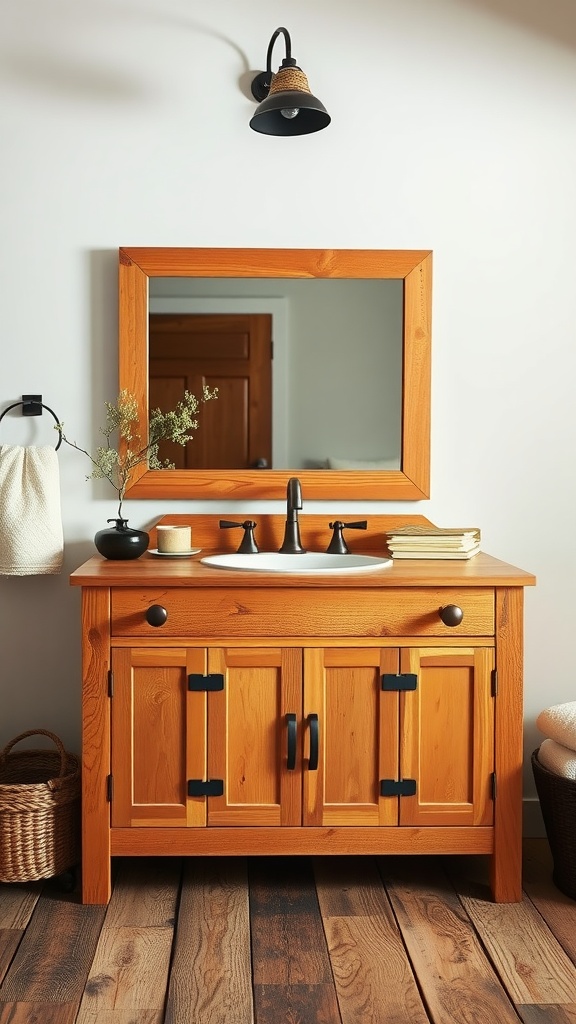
278 612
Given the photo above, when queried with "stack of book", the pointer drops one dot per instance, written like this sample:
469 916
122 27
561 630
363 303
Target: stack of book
434 542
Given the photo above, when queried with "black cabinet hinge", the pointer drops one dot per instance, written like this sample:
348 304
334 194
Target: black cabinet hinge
494 682
398 787
109 788
204 684
493 785
110 683
403 681
205 787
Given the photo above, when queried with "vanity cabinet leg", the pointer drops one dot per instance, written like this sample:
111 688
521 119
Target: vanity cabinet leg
96 875
506 866
96 861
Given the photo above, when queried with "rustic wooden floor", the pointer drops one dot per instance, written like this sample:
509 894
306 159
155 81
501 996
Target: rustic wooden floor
291 941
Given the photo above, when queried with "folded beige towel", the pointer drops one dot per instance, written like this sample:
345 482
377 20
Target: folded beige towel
558 759
31 540
559 723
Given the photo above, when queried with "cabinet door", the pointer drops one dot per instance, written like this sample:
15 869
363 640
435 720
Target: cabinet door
249 736
357 732
447 737
158 737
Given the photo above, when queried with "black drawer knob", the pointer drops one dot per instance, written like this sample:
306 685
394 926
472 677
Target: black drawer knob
156 615
451 615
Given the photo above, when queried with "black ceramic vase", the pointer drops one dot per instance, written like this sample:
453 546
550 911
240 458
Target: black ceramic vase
119 542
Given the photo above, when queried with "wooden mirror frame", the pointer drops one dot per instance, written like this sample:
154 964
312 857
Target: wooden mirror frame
414 267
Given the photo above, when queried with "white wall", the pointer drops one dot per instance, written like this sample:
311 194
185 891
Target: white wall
124 122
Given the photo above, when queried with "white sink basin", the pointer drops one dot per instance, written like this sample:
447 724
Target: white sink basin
310 562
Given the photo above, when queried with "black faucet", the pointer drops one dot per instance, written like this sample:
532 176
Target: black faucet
291 545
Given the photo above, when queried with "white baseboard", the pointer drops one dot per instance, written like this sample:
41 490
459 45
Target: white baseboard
532 822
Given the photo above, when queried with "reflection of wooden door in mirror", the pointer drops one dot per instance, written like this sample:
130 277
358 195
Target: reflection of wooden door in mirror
229 352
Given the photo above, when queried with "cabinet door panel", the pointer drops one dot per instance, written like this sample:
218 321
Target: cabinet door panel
358 729
447 737
153 714
248 736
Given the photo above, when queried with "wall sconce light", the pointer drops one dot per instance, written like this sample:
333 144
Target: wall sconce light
286 105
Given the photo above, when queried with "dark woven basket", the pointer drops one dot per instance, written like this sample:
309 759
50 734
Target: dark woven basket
558 803
39 811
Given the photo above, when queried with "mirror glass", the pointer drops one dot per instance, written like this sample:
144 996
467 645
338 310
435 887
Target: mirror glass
334 379
345 401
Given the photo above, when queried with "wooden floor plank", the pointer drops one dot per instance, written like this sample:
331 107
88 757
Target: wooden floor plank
558 910
210 981
372 973
293 981
129 975
54 957
287 934
145 892
454 975
9 941
118 1016
38 1013
530 961
17 903
545 1013
130 971
296 1004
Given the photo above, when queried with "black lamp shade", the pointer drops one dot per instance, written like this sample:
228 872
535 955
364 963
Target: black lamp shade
268 118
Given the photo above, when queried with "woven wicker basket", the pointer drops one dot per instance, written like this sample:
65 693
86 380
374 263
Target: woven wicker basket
39 811
558 803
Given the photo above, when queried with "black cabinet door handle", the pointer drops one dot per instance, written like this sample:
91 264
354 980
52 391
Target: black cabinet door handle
292 730
314 742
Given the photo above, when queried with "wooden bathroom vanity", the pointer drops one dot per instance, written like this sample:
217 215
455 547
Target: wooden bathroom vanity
249 713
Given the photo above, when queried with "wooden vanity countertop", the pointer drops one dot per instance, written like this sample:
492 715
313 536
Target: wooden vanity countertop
149 570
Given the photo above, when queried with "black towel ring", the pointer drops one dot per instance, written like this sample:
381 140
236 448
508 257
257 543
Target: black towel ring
47 407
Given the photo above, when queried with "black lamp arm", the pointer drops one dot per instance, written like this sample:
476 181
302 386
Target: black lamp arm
288 60
261 84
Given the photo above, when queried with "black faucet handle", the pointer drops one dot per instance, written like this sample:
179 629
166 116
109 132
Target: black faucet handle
248 545
338 545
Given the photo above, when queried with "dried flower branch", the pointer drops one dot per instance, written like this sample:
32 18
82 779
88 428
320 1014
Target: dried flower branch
116 464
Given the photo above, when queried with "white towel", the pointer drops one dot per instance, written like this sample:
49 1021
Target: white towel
559 723
31 540
558 759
